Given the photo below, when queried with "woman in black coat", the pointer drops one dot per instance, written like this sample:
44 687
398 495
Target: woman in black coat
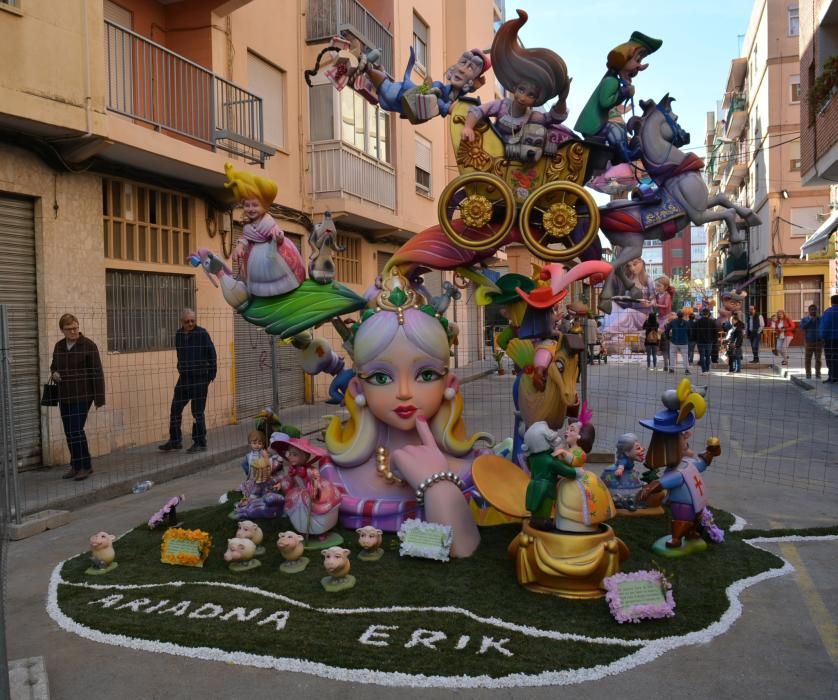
77 369
651 340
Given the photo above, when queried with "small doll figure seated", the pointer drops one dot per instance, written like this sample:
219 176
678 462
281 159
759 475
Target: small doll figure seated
102 554
240 553
369 538
268 261
620 478
533 76
260 492
336 563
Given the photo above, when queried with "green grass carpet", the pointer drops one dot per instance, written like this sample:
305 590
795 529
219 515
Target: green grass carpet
484 585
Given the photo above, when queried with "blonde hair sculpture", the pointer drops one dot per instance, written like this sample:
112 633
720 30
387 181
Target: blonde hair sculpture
247 186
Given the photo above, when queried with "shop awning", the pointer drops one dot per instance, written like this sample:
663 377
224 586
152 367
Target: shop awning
820 238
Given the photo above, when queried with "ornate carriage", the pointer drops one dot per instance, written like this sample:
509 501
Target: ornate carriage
529 192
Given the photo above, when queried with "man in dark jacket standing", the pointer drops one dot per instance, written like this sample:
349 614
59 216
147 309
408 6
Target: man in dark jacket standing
705 334
196 365
828 333
679 333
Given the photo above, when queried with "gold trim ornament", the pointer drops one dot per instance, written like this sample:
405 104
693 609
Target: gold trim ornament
476 210
382 466
560 219
396 295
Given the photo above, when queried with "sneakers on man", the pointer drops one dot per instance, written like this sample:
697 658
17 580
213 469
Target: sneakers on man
169 446
82 474
197 448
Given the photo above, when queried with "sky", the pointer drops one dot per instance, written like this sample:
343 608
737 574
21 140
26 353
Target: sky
700 38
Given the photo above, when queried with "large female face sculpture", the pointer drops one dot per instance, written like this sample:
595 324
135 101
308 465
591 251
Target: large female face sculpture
402 383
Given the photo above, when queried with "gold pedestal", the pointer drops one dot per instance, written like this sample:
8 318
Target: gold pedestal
570 565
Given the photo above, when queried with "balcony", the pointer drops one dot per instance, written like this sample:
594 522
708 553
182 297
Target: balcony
737 116
736 170
153 85
339 170
328 18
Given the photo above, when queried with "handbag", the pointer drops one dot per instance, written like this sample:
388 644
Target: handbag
49 396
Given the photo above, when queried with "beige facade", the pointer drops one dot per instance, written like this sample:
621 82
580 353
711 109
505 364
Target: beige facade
146 99
754 157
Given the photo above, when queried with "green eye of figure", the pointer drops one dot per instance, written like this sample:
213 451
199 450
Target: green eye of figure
379 378
428 375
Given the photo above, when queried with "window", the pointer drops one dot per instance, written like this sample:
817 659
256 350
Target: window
794 21
364 126
794 88
420 43
348 262
143 308
144 224
321 112
10 3
268 82
677 272
382 258
423 166
677 253
794 163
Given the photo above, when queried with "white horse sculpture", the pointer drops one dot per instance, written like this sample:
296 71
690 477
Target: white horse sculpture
684 196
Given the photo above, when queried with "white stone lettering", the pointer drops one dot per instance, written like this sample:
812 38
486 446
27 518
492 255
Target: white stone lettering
107 601
426 638
206 612
134 605
241 614
178 609
373 632
279 618
490 643
462 642
154 608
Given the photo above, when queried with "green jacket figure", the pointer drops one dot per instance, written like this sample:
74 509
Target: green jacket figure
602 115
545 469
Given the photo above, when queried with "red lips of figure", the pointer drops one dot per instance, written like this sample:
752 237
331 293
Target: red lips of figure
405 411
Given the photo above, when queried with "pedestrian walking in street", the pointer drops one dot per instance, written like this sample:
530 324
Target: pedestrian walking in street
663 335
828 333
754 328
784 327
733 346
652 340
77 369
705 335
591 336
692 320
679 334
814 345
196 366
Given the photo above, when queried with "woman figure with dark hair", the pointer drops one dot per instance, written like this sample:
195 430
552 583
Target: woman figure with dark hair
77 369
533 76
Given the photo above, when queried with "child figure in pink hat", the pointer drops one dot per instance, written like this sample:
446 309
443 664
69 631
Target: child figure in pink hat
311 501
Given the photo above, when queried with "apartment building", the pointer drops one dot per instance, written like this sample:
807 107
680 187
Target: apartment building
819 122
754 157
115 125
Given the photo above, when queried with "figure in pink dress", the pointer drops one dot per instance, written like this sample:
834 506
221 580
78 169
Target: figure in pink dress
311 502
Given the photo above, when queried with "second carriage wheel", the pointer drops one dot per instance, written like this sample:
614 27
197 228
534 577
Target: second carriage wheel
559 220
483 206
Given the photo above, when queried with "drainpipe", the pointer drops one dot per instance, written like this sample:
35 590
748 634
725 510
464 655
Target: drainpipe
87 98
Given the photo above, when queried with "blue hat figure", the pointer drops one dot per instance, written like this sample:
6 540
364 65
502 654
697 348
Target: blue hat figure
682 479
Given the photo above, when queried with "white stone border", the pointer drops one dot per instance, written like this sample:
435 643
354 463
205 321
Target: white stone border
649 650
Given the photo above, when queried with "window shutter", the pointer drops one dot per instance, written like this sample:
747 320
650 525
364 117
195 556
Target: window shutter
321 115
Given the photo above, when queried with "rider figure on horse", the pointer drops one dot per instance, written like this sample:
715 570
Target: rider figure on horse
602 115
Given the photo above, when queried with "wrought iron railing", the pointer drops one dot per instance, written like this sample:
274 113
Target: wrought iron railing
156 86
326 18
337 170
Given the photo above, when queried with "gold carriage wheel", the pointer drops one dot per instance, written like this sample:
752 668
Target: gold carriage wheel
558 203
484 192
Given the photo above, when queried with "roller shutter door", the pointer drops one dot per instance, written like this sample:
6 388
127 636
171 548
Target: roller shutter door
253 365
18 291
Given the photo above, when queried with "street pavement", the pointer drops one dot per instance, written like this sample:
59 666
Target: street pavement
778 469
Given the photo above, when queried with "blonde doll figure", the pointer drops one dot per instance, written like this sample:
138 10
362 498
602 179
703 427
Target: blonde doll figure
269 263
663 298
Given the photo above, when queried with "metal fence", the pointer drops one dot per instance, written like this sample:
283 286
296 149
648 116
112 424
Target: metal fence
327 18
156 86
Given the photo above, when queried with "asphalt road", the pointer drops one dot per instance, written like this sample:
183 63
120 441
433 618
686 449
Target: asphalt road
775 471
